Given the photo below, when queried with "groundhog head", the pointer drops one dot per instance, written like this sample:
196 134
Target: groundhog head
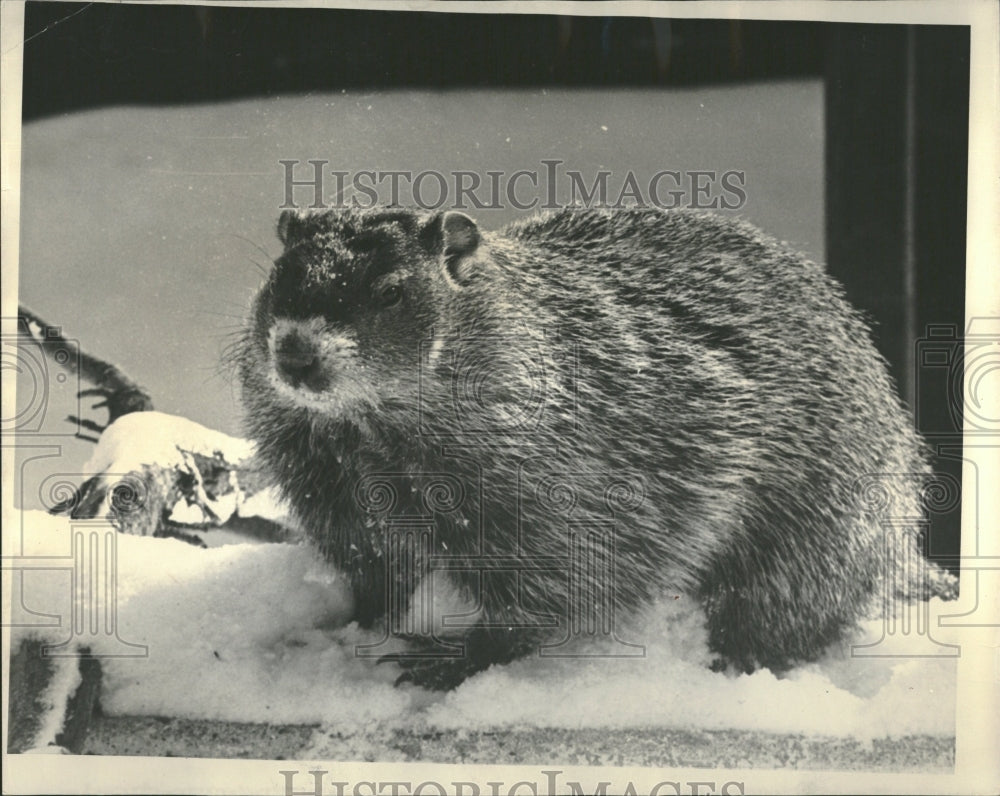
346 321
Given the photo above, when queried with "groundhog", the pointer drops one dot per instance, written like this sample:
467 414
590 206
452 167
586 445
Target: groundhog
572 416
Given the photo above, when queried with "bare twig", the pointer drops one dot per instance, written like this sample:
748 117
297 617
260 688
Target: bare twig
121 395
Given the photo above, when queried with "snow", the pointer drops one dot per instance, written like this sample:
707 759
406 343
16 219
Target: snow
148 443
260 633
673 687
154 438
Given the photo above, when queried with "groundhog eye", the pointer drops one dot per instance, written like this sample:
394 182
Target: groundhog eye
364 245
390 295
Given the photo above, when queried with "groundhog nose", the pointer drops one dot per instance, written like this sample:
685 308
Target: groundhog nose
296 360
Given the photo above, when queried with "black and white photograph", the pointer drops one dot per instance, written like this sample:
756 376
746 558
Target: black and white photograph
500 398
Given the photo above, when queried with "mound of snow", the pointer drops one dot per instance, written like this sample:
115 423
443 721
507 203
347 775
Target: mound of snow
259 633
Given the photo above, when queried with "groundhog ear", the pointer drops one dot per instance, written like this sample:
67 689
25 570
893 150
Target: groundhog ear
291 224
455 237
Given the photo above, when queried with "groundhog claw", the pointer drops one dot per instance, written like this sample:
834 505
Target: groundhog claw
405 677
427 664
437 674
391 657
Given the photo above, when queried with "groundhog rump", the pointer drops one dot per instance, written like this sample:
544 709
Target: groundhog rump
572 416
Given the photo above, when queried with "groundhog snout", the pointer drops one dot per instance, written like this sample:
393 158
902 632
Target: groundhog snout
298 363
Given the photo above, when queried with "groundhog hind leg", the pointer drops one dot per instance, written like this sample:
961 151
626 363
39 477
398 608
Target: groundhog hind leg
774 617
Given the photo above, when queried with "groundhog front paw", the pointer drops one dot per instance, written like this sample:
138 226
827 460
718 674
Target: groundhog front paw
438 674
442 666
435 666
